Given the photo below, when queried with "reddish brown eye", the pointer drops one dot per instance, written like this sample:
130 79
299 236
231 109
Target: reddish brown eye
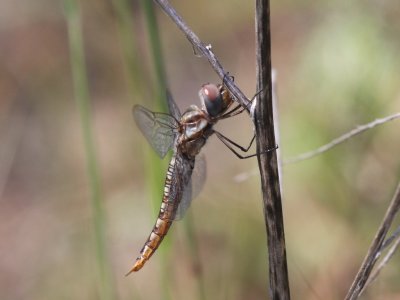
211 99
211 91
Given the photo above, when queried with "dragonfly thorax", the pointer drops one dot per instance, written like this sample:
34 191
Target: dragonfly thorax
193 123
195 129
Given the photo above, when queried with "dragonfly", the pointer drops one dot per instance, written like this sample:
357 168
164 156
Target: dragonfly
185 134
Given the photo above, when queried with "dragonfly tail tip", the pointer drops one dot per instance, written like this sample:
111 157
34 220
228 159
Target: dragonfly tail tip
127 274
136 267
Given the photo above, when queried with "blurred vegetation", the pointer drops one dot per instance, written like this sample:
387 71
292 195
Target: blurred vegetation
81 93
338 66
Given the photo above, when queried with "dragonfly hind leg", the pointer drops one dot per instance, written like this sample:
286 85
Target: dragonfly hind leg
230 144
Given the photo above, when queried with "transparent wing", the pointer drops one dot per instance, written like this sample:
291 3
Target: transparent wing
172 107
159 129
194 186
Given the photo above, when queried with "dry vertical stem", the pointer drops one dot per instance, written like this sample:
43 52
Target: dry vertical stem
376 246
268 165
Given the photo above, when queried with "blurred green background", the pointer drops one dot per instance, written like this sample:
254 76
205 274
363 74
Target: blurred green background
338 66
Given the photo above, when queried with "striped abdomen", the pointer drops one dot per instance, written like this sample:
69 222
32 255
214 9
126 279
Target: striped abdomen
175 182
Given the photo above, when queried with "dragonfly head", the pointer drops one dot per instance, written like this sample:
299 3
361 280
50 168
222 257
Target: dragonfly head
214 99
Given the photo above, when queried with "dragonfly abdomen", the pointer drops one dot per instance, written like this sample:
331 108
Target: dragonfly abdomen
164 221
154 240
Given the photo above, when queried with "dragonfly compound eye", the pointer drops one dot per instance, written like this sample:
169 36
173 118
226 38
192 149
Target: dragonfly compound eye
211 99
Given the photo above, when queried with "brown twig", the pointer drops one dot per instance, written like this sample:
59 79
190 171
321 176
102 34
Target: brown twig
389 240
382 264
268 165
206 51
341 139
376 246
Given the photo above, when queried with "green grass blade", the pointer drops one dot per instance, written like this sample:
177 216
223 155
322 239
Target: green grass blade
154 172
156 53
72 13
125 24
156 175
155 43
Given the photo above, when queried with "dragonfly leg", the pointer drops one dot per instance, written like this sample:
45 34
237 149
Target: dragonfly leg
231 77
239 108
228 140
233 112
229 143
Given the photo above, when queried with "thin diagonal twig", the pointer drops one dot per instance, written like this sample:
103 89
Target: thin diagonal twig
376 246
382 264
341 139
206 51
390 239
394 237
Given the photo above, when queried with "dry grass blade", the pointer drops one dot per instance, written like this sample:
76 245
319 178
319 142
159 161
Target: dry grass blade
268 164
341 139
376 246
382 264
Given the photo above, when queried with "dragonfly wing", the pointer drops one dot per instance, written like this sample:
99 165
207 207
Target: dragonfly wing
194 186
199 175
159 129
172 107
